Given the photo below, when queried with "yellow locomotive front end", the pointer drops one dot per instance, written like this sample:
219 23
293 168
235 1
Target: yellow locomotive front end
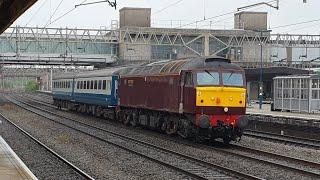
221 103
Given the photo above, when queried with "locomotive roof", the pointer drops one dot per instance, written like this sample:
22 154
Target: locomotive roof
176 66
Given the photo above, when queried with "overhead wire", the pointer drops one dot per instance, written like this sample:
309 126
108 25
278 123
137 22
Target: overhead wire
170 5
60 17
37 11
304 27
228 18
294 24
54 12
221 15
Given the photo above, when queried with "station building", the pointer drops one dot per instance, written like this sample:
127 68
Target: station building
249 44
133 40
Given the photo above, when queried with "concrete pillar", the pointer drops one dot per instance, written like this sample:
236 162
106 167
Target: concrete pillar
206 45
51 74
248 93
289 55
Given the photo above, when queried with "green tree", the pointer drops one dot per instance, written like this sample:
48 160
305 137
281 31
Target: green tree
32 86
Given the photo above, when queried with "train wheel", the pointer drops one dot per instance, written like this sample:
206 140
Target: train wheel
227 140
163 127
127 119
171 127
134 119
184 129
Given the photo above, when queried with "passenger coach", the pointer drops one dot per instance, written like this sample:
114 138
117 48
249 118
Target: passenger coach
91 92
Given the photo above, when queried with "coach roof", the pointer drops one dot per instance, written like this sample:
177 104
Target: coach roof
88 74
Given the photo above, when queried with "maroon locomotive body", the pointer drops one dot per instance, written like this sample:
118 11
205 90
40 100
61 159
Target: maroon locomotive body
186 96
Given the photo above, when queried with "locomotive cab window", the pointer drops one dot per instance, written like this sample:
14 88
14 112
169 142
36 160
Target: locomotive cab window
232 79
208 78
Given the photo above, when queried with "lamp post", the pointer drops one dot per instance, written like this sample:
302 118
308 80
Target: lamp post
261 67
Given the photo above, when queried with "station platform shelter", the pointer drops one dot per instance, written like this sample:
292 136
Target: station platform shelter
268 73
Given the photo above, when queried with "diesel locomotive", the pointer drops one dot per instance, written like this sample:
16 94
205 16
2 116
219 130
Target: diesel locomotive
200 98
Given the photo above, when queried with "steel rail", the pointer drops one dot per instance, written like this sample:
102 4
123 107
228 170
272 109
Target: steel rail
283 138
72 166
218 167
265 153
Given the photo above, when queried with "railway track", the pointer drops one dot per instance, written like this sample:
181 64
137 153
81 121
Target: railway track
49 150
182 163
251 133
313 143
276 160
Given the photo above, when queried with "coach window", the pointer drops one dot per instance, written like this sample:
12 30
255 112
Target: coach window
109 85
96 84
104 84
81 84
84 84
91 85
88 84
100 85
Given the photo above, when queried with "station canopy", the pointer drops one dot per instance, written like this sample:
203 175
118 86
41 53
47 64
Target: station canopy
10 10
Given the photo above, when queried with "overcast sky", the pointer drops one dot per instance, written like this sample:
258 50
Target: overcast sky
180 12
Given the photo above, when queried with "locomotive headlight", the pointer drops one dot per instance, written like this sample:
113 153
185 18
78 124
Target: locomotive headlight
226 109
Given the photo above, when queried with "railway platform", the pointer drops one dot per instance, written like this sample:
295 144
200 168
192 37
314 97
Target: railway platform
11 166
291 118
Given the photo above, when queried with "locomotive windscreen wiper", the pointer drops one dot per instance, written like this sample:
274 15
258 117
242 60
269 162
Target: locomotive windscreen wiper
209 73
230 76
